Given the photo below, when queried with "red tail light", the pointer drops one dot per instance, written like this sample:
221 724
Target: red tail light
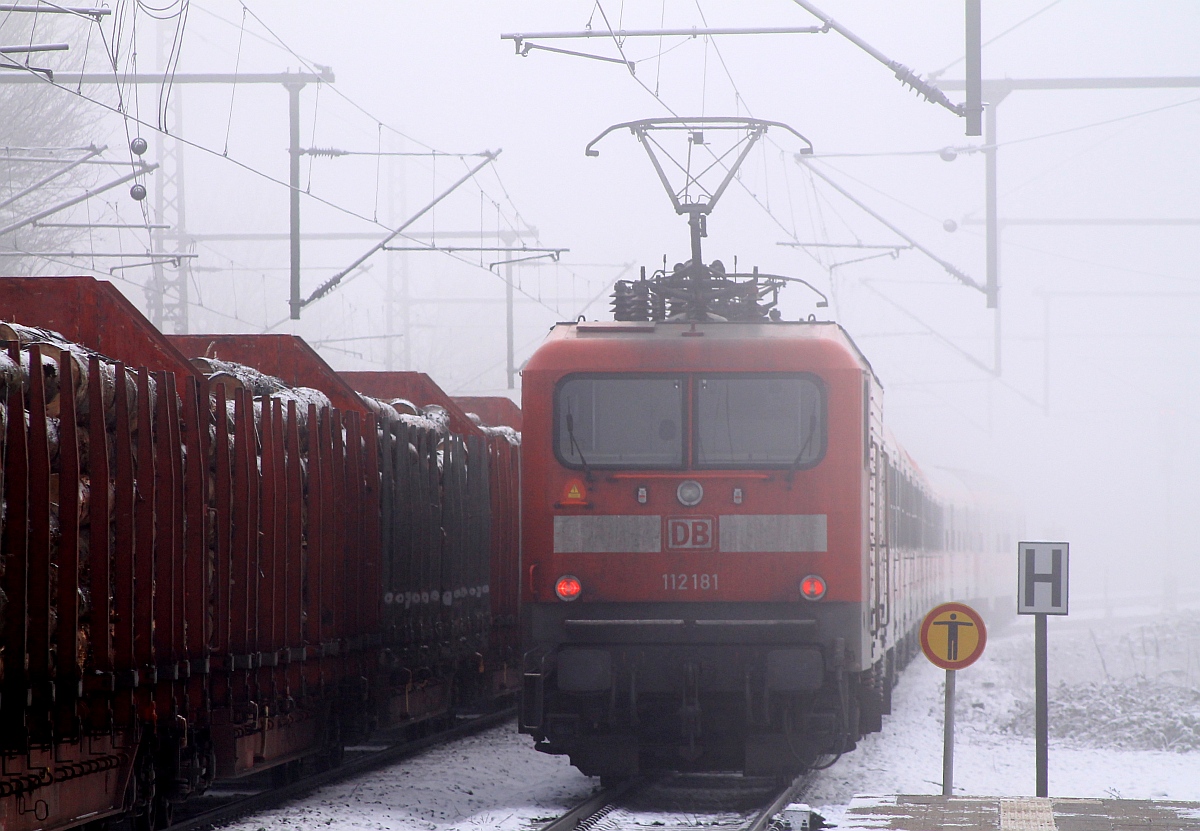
568 587
812 587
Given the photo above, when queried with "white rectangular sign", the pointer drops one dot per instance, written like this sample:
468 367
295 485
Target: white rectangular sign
1042 571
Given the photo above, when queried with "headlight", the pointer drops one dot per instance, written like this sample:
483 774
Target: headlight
689 493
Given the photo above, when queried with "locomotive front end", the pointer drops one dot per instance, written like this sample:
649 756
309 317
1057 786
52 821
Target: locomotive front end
692 515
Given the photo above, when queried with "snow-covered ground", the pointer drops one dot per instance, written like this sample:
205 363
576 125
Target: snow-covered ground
493 780
1124 718
1124 722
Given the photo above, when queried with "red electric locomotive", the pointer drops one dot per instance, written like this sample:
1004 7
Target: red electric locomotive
725 556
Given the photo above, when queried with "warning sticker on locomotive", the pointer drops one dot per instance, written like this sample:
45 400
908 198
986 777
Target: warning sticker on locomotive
953 636
574 493
691 533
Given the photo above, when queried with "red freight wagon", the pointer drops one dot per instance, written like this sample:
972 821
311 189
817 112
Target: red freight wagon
503 450
203 578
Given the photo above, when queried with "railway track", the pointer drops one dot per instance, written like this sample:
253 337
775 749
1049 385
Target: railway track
683 801
228 801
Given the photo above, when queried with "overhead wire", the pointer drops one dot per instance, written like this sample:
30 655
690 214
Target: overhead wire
741 101
882 193
195 145
937 73
658 58
620 48
979 148
237 65
171 10
113 53
1097 264
32 31
378 160
313 141
123 63
71 264
381 124
141 205
172 63
823 158
754 196
87 48
313 67
1092 125
1091 148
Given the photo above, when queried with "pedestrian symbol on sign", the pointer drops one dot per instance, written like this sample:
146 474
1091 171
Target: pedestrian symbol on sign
952 625
953 636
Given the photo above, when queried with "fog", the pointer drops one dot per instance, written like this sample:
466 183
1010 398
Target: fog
1090 417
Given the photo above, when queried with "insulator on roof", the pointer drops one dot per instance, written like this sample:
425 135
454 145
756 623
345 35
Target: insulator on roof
631 300
696 292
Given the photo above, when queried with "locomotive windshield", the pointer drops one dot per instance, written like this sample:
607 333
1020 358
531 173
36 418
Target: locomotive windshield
758 421
620 421
738 421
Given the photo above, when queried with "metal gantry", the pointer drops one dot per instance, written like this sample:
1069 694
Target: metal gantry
174 308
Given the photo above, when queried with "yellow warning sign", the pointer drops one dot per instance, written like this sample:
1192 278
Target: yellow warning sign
953 636
574 493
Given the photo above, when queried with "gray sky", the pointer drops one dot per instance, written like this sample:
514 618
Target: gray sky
1113 465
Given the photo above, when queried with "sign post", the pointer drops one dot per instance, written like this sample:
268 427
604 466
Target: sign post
952 637
948 737
1042 573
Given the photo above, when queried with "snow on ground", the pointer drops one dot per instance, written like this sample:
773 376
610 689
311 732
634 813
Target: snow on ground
1124 722
494 780
1124 718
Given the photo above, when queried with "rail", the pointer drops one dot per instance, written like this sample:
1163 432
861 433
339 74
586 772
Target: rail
610 804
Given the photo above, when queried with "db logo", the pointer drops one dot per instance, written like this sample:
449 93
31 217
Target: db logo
690 532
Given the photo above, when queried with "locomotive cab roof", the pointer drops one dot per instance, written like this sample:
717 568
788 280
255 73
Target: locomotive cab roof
657 345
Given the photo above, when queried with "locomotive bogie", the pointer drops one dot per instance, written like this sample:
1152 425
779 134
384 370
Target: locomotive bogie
717 684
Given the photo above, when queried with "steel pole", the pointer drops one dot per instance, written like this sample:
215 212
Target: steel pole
508 318
1046 356
93 151
75 200
330 284
294 186
948 738
974 72
156 290
1041 705
993 226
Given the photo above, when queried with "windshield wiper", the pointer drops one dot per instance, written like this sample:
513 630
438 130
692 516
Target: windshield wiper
812 431
587 471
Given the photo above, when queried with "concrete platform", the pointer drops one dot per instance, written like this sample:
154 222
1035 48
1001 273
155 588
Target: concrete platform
928 813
